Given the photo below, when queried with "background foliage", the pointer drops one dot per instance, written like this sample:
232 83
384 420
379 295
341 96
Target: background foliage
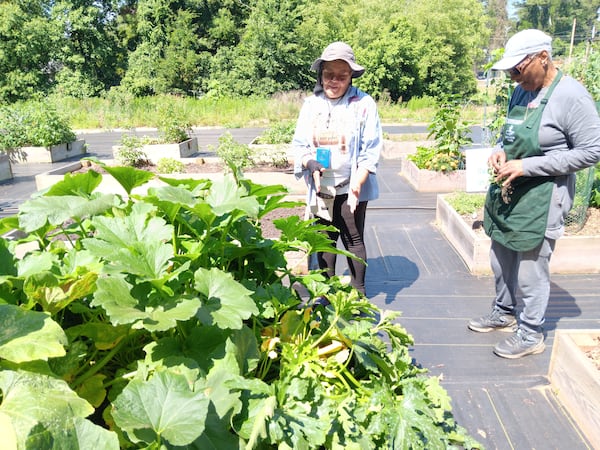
411 48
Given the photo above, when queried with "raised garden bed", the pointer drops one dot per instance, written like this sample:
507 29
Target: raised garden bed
55 153
180 150
5 168
575 377
573 254
423 180
398 149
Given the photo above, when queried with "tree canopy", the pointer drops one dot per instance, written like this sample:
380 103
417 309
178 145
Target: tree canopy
410 48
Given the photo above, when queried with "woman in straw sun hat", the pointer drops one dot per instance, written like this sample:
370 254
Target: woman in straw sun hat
337 143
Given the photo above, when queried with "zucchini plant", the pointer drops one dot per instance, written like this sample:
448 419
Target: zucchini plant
166 320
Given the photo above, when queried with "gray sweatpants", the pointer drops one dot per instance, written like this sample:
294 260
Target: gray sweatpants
528 272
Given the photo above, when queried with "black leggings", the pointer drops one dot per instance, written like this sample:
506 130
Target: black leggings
351 228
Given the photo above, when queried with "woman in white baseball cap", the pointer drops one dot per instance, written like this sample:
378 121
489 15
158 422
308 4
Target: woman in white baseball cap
552 130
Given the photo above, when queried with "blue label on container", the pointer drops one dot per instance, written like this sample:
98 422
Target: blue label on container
324 156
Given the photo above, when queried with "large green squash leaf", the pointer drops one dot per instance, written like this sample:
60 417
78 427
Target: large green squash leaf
223 398
228 302
133 244
165 407
217 435
35 213
54 293
226 196
129 177
29 335
39 409
114 295
76 184
93 437
7 258
36 263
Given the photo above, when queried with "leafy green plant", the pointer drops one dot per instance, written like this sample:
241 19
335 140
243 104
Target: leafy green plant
12 131
450 134
497 94
586 68
167 320
169 165
277 138
595 194
35 124
276 156
233 153
44 127
279 133
465 202
173 127
130 152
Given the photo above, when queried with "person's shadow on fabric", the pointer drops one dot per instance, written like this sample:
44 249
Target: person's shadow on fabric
562 304
388 275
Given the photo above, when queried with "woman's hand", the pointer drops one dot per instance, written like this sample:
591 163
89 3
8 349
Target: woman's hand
356 183
316 169
509 171
496 160
505 171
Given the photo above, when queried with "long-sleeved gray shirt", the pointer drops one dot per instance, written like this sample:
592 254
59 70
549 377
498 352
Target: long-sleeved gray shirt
569 137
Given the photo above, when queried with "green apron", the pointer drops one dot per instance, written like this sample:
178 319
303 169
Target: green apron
517 218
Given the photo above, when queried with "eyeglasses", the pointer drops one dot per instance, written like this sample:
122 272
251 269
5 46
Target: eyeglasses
519 68
331 76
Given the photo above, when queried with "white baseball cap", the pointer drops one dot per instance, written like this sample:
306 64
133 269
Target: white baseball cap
522 44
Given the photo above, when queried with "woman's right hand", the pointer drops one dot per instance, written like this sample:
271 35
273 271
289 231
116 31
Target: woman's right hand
497 160
316 169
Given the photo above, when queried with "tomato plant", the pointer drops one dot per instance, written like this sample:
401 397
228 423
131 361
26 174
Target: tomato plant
450 134
166 320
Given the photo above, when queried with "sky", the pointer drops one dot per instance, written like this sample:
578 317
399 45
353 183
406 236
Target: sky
511 7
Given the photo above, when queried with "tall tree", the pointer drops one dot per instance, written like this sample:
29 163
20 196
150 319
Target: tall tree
447 52
272 54
90 55
557 17
28 42
175 40
497 14
180 69
385 41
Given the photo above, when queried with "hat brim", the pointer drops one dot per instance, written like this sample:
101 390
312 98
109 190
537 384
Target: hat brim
509 62
357 70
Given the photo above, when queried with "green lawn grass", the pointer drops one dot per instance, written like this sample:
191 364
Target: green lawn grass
129 112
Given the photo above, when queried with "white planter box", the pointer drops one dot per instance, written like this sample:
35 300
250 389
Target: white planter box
576 380
155 152
472 247
5 168
56 152
573 254
423 180
400 149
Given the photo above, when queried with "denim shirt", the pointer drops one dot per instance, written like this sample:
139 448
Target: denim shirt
364 144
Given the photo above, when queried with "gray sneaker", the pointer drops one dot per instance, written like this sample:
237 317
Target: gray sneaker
496 320
521 343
